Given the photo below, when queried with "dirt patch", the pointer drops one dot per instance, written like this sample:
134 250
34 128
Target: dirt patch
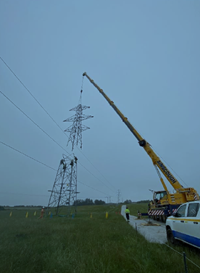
150 224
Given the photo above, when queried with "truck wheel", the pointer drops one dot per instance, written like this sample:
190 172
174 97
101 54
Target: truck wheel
163 218
170 237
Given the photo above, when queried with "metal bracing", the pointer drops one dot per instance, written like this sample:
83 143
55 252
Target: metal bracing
77 127
64 191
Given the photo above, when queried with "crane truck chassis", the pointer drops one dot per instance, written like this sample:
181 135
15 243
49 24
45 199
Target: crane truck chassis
164 203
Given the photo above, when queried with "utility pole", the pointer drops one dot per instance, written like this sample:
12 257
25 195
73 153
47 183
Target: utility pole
118 197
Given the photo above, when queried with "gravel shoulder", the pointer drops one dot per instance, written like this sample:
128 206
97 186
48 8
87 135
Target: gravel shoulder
154 234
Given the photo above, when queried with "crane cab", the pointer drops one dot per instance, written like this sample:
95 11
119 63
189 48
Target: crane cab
160 197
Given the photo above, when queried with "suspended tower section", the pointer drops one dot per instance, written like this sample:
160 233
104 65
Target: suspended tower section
77 127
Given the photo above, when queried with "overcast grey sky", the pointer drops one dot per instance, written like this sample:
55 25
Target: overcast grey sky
144 54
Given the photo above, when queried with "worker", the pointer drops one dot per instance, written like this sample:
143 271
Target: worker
42 213
127 211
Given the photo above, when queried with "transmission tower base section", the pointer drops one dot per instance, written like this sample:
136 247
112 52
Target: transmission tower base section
64 192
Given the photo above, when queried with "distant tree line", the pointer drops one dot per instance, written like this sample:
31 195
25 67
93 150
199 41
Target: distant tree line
144 201
80 202
132 202
28 206
88 201
128 202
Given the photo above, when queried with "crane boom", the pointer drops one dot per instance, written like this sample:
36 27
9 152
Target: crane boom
124 119
189 193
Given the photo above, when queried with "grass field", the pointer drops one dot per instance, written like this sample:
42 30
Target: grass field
84 244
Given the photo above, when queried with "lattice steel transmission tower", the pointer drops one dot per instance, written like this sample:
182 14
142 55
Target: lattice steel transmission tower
64 191
77 127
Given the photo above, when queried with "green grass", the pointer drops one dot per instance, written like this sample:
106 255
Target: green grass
83 244
141 207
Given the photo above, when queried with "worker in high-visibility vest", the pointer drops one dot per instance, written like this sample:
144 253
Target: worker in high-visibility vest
127 211
42 213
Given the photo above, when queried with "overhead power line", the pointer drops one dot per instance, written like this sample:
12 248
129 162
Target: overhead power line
16 193
28 194
29 91
96 169
171 168
44 164
32 121
95 176
48 134
27 155
91 187
51 116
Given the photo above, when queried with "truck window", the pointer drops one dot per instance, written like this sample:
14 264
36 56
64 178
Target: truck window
181 211
193 209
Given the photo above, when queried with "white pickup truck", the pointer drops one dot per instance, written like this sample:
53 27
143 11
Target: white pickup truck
184 225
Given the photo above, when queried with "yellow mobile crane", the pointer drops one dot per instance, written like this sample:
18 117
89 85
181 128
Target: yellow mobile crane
163 203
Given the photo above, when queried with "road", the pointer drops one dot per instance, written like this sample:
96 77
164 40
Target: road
154 234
